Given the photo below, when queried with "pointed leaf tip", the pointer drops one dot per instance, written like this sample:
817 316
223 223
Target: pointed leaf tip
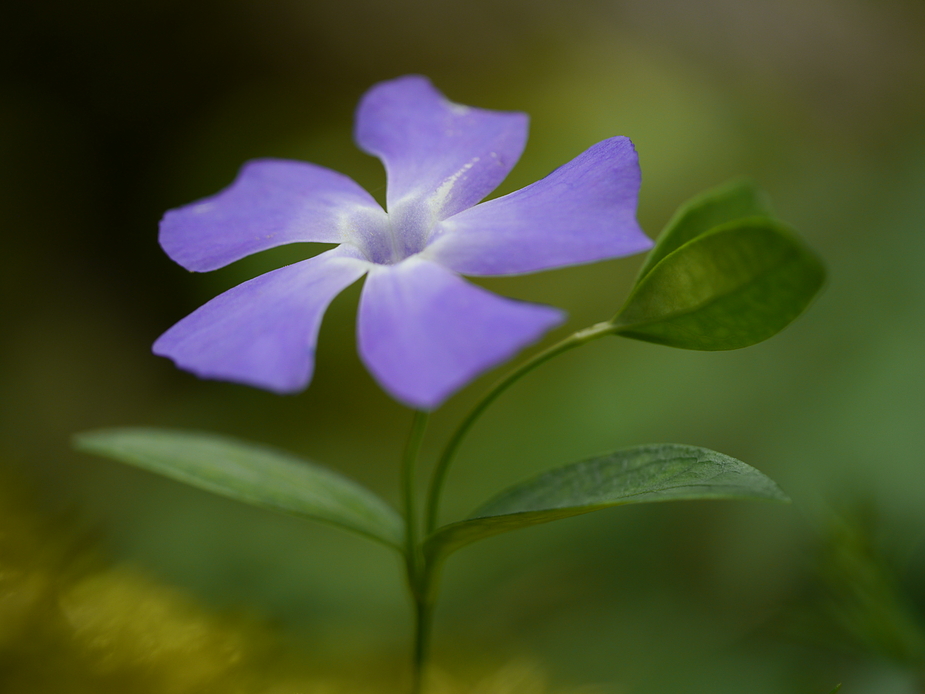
660 472
251 473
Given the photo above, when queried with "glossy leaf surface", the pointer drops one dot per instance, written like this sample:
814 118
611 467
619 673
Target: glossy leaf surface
728 288
251 473
734 200
662 472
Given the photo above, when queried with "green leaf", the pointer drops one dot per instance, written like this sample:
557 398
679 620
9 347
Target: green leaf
837 688
661 472
253 474
728 288
734 200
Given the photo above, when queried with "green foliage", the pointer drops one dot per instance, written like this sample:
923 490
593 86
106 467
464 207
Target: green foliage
662 472
723 275
864 599
734 200
253 474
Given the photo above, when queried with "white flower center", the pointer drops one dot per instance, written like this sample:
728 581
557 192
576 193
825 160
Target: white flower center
411 223
388 238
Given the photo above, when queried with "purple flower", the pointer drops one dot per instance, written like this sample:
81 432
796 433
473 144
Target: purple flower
423 331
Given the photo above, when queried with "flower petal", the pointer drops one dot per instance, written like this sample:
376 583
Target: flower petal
450 155
272 202
424 332
263 332
582 212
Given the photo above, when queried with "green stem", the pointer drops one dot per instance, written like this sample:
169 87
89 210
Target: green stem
413 557
423 612
443 465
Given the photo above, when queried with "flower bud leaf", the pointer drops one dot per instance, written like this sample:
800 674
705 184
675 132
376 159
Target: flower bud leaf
733 286
736 199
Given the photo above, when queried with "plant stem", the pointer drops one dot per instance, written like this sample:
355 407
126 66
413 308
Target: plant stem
421 578
443 465
423 612
414 560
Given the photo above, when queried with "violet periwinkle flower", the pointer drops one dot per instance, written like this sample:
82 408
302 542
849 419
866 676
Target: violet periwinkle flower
423 331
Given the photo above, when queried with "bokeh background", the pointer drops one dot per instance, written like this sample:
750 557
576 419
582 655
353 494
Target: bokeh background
112 112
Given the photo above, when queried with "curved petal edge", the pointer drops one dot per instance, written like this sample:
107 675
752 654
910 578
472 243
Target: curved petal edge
424 332
582 212
263 332
437 154
272 202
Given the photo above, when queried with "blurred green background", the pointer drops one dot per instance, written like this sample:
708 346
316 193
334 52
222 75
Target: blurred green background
113 112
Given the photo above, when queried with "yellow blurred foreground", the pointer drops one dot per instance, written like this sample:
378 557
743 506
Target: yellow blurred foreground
70 623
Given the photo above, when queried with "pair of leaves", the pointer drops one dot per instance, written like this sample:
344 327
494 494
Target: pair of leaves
723 275
275 480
